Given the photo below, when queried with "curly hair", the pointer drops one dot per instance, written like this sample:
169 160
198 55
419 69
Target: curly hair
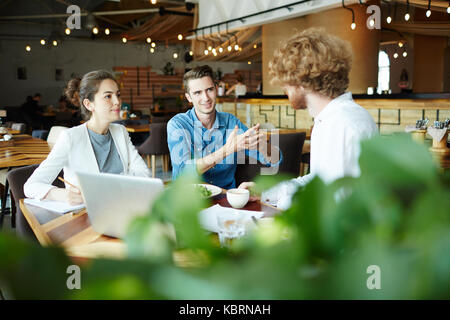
315 60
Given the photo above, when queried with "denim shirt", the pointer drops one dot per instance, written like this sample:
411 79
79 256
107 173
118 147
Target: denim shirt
188 141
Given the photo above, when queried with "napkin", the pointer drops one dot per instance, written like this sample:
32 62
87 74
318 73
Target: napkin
437 134
208 217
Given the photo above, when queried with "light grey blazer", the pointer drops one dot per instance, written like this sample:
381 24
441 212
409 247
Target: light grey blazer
73 152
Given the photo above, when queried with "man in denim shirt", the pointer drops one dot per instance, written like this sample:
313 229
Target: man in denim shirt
209 141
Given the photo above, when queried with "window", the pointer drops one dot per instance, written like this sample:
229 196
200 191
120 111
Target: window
383 72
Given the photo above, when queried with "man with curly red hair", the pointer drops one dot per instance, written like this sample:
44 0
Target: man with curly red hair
313 69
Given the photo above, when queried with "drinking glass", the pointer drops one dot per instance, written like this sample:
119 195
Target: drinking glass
231 226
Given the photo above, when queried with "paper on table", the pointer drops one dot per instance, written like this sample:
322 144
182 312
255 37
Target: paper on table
55 206
208 218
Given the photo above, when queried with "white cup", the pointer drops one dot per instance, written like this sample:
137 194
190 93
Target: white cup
238 198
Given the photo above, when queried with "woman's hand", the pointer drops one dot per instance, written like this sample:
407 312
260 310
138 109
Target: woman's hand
74 196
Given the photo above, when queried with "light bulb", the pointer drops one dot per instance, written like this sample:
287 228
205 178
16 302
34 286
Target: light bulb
395 55
388 19
55 43
220 49
407 16
400 44
191 53
428 14
175 55
95 30
255 46
405 54
43 42
371 22
448 9
67 31
153 44
209 48
353 26
124 40
206 52
107 31
214 51
152 50
149 40
215 54
180 37
236 47
249 62
28 48
153 1
229 48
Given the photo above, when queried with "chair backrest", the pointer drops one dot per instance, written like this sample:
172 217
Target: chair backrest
40 134
246 171
161 119
54 133
291 145
19 127
156 143
16 179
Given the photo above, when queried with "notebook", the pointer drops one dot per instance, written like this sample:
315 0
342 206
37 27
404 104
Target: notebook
55 206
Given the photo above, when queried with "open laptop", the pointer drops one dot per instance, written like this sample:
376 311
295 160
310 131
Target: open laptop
114 200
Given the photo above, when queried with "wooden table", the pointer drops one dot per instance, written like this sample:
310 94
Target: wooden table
74 233
133 128
24 151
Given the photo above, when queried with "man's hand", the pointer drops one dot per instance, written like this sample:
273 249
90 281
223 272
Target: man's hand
249 185
247 140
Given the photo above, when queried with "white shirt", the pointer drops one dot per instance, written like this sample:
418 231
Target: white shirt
335 147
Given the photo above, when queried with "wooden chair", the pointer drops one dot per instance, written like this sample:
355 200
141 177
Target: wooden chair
156 144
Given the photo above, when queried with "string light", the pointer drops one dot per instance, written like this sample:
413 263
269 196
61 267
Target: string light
389 19
405 54
255 46
107 31
448 8
428 13
407 16
400 44
149 40
124 40
220 49
43 42
249 62
153 1
229 48
153 44
175 55
191 53
180 37
206 52
395 55
372 22
353 25
152 50
236 47
67 31
28 48
209 48
95 30
55 43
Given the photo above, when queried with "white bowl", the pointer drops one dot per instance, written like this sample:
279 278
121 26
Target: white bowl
238 198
